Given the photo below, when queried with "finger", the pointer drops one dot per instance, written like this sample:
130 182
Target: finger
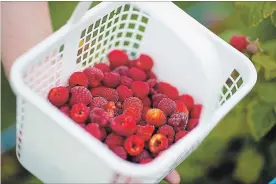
173 177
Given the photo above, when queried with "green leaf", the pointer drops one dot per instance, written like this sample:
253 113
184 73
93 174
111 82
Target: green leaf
260 118
266 91
267 63
273 18
269 8
190 171
249 166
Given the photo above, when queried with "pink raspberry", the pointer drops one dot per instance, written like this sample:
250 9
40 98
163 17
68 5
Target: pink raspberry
99 102
80 94
113 140
168 131
167 105
133 102
111 79
176 119
137 74
144 155
108 93
65 110
103 67
126 81
94 75
145 132
157 98
99 116
123 92
121 70
152 83
95 130
120 151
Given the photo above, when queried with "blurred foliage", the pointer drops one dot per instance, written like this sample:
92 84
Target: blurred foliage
242 147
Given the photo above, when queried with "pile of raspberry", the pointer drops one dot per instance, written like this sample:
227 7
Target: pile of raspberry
123 105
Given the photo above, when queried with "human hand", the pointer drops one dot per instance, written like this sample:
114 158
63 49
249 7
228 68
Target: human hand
173 177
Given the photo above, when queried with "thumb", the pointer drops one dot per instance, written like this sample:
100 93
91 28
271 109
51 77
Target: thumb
173 177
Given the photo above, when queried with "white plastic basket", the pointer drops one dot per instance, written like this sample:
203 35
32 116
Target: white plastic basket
186 54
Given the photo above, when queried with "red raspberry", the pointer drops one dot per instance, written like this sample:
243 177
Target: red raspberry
120 151
108 93
121 70
187 100
181 126
78 79
104 134
176 119
151 75
145 131
134 145
181 107
146 161
110 108
126 81
99 116
144 112
132 63
239 42
153 91
192 123
111 79
180 134
133 102
146 102
137 74
133 112
79 113
143 155
103 67
140 89
156 117
123 125
58 96
168 90
95 130
94 75
158 143
168 131
99 102
152 83
113 140
167 106
157 98
80 94
144 62
117 58
65 110
196 111
123 92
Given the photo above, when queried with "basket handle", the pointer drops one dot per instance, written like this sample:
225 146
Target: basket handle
79 11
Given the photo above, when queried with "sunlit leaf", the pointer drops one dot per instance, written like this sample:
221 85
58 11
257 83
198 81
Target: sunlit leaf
269 8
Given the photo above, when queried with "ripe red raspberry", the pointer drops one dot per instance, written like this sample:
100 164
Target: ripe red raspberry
123 92
95 130
151 75
123 125
188 100
110 108
117 58
167 106
176 118
134 145
157 98
111 79
239 42
181 107
132 63
99 116
167 131
137 74
94 75
133 102
58 96
145 131
133 112
121 70
146 161
78 79
192 123
181 126
152 83
79 113
126 81
144 112
180 134
65 110
153 91
103 67
120 151
155 117
168 90
113 140
157 143
99 102
146 102
143 155
140 89
196 111
80 94
144 62
108 93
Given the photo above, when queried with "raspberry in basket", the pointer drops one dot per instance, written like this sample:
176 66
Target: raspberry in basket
120 151
167 131
192 123
177 118
157 98
99 102
140 89
108 93
117 58
188 100
168 89
126 81
144 62
79 113
137 74
146 161
99 116
146 101
151 75
133 112
58 96
78 79
196 111
157 143
167 105
145 131
111 79
142 156
181 107
180 134
103 67
65 110
123 125
80 94
133 102
124 92
134 145
156 117
113 140
95 130
94 75
121 70
152 83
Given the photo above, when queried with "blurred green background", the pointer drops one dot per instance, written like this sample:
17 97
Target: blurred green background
242 148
